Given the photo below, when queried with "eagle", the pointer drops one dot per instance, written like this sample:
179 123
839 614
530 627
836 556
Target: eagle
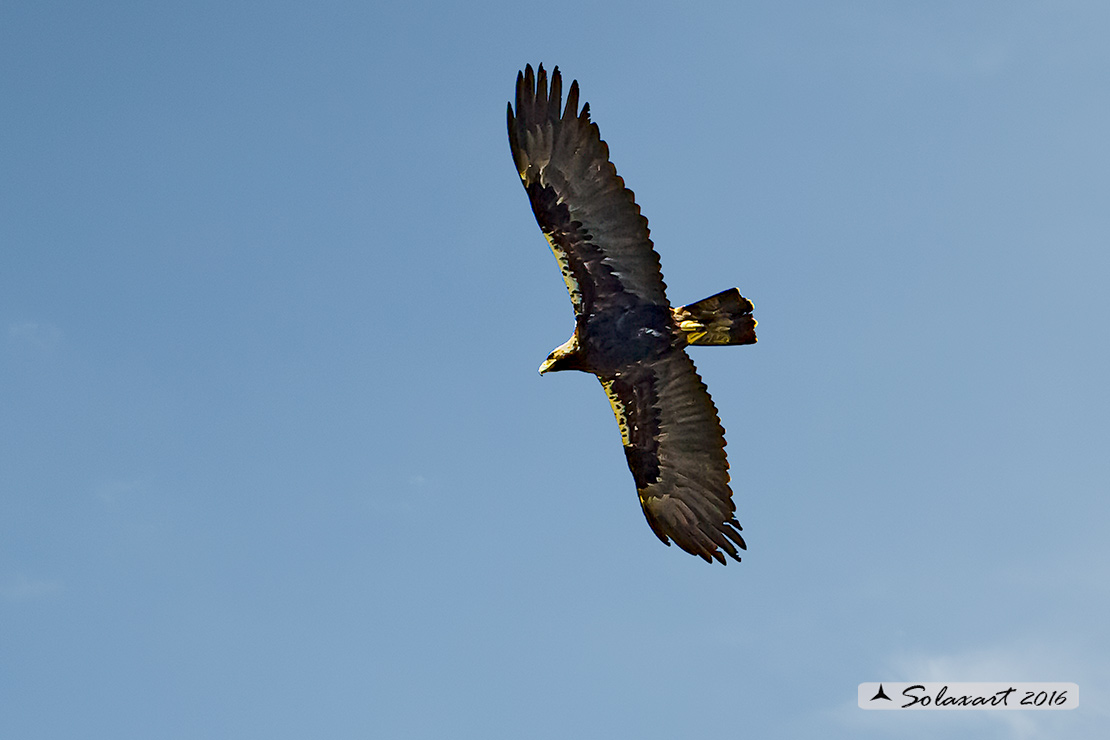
625 331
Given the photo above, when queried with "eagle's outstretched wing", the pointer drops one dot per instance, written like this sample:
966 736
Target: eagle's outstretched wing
587 214
673 440
675 447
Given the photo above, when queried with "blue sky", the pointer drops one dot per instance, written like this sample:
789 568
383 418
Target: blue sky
275 461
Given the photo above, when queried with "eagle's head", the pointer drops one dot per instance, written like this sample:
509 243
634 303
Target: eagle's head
567 356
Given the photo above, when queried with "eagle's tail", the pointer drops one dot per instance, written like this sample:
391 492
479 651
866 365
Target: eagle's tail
725 318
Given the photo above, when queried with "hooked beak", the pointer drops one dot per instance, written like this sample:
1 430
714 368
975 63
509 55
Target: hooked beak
546 365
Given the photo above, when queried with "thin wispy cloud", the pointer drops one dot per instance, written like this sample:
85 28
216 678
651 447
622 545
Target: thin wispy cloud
110 493
23 588
34 335
1023 660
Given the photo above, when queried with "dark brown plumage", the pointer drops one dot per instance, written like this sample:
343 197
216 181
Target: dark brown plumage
626 332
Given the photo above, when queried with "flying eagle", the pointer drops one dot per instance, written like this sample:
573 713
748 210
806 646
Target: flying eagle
626 332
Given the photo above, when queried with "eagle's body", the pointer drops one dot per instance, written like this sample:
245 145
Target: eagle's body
626 332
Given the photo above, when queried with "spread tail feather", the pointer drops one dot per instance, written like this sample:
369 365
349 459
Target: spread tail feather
725 318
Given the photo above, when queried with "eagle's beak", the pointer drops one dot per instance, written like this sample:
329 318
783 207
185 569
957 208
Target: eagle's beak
546 365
